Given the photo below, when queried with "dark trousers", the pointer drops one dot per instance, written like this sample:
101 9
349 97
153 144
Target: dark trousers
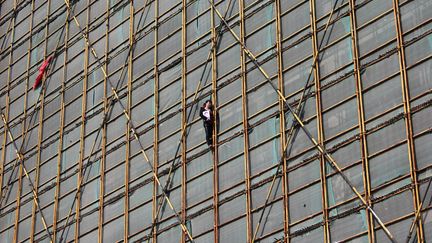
209 132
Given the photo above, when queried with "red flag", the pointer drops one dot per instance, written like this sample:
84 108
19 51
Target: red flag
38 80
42 70
45 64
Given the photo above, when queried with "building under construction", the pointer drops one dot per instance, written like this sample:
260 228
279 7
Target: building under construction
323 134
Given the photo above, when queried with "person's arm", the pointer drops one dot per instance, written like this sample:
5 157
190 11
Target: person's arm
211 115
201 114
217 122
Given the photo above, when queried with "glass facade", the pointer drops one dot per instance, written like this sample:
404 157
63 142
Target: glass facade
111 147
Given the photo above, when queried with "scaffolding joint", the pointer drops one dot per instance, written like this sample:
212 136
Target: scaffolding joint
20 155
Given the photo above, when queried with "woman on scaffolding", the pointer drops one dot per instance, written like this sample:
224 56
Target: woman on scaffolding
206 114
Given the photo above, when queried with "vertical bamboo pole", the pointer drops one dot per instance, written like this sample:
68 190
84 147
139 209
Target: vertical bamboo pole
215 135
61 134
408 119
20 170
282 128
104 131
156 120
319 120
128 131
184 121
245 126
40 130
361 119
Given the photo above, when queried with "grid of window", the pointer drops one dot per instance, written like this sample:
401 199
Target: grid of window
359 72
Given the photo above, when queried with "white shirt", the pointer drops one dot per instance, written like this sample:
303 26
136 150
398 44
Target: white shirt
206 113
